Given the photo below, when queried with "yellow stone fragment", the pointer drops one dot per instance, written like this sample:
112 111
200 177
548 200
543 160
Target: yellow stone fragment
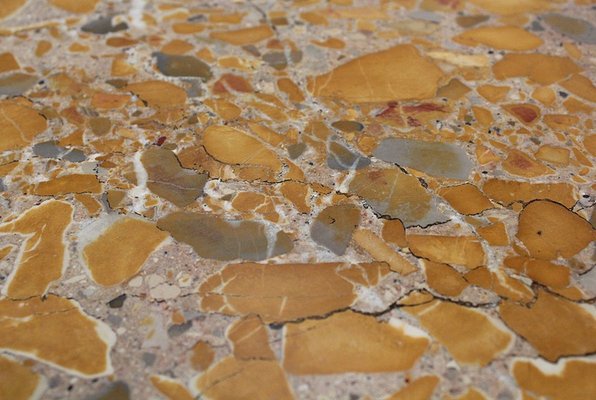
500 37
351 342
74 183
120 250
245 36
398 73
42 259
18 382
56 331
172 389
19 124
471 336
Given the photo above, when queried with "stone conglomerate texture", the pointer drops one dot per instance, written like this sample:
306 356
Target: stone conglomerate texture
308 199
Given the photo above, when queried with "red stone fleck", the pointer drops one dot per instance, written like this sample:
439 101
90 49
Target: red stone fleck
160 140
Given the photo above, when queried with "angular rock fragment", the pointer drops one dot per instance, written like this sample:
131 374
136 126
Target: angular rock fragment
172 389
43 257
56 331
333 227
500 284
460 250
351 342
539 68
508 192
103 25
579 30
244 36
217 238
555 327
499 37
549 230
76 6
434 158
519 163
16 84
466 199
395 194
398 73
382 252
175 65
249 339
158 93
444 279
19 124
116 248
571 378
285 292
19 382
238 379
471 336
340 158
419 389
167 179
73 183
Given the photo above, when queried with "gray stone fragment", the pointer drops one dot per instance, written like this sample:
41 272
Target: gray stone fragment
334 226
174 65
103 25
447 160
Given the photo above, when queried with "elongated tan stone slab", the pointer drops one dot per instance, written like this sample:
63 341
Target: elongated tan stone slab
571 378
73 183
285 292
119 249
43 257
554 326
237 379
471 336
56 331
398 73
351 342
499 37
461 250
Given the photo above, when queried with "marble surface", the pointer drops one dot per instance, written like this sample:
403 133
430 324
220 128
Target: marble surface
310 199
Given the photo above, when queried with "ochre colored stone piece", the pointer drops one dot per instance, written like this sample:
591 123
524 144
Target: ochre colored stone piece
202 356
419 389
381 251
398 73
244 36
158 93
42 260
56 331
238 379
278 292
549 230
172 389
499 37
351 342
73 183
539 68
519 163
120 250
508 192
249 339
555 327
571 378
460 250
471 336
19 124
76 6
18 382
444 279
466 199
